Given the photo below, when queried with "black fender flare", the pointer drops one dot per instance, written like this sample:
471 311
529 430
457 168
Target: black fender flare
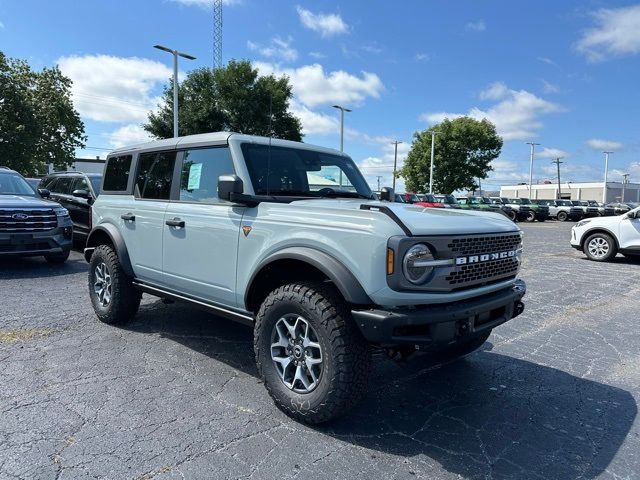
341 276
116 239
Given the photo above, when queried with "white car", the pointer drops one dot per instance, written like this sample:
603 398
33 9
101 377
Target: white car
602 238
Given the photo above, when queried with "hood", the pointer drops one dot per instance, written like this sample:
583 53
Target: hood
25 201
427 221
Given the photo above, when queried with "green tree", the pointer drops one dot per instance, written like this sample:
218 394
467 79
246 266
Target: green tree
464 149
38 124
233 98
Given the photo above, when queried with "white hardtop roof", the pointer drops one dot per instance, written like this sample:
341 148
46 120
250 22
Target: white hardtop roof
214 138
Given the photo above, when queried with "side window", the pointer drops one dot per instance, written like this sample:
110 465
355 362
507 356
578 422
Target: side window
62 185
47 183
116 174
200 171
80 184
155 171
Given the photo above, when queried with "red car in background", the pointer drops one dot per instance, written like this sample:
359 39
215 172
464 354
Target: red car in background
423 200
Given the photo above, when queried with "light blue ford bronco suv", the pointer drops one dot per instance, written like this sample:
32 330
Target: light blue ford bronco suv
288 238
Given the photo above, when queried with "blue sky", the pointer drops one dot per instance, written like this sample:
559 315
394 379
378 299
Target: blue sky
562 74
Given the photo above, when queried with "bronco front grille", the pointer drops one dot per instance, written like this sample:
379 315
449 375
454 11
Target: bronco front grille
488 244
31 220
480 272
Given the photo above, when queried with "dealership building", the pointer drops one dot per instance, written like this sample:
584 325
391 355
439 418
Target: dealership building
616 191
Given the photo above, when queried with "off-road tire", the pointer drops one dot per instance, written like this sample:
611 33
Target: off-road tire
125 299
466 347
612 248
531 217
562 216
346 357
57 258
513 216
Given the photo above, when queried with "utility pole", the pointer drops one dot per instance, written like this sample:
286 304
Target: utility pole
606 171
625 179
395 162
533 146
175 54
379 177
433 145
558 162
342 110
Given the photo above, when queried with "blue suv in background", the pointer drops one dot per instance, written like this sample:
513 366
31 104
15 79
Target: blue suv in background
30 224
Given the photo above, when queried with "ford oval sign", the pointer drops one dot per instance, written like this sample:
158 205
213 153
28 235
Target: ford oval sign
19 216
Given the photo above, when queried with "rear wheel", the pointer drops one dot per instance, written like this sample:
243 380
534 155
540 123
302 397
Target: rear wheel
513 215
113 296
311 356
600 247
562 216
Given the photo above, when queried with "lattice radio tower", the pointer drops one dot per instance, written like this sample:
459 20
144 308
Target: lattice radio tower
217 33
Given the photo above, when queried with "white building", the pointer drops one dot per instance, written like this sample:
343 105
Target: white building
84 165
576 191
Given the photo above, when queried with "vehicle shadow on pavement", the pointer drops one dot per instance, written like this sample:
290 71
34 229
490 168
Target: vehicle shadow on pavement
35 267
488 415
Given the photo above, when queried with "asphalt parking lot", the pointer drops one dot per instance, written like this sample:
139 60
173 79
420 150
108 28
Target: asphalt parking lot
553 394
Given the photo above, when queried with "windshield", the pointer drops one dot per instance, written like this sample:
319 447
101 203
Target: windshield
564 203
13 184
525 201
429 198
286 171
517 201
472 200
485 200
96 183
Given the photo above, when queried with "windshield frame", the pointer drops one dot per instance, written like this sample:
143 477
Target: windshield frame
358 188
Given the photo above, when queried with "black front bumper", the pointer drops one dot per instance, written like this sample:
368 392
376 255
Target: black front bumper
439 325
54 241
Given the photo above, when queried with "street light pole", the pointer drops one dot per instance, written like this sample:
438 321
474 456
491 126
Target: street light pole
606 172
433 144
379 177
625 177
533 146
558 162
175 54
395 163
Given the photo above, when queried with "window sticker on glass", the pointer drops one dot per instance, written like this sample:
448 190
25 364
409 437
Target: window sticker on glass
195 172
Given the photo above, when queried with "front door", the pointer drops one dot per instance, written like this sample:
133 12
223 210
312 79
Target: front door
201 231
630 232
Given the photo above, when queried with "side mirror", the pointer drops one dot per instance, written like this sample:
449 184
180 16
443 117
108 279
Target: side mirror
82 194
228 185
44 193
633 214
386 194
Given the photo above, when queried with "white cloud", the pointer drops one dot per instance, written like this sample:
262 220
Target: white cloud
373 48
278 49
114 89
317 55
551 153
548 87
1 25
516 116
129 135
372 167
477 26
617 33
602 145
313 87
495 91
326 24
314 122
422 56
547 60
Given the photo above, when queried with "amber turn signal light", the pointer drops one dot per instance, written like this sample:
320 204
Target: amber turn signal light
390 261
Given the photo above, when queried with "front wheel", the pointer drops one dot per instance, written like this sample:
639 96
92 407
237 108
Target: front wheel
513 216
531 216
600 247
114 298
562 216
310 354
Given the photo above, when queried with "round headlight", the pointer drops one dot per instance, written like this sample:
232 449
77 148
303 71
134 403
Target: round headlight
411 264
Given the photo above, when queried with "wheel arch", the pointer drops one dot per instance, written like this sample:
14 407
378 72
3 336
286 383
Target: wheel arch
588 233
108 233
301 263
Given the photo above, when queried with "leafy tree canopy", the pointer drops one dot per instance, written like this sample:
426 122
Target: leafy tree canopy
38 124
233 98
464 149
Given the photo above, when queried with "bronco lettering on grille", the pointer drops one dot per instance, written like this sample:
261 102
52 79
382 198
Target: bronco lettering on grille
486 257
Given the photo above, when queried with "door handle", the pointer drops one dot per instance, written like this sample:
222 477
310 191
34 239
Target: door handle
128 217
176 222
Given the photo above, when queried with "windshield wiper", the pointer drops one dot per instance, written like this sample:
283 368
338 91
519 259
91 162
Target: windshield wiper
345 194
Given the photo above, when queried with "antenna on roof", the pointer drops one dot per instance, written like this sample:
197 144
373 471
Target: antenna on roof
270 135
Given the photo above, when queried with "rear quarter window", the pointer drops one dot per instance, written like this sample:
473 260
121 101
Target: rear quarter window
116 173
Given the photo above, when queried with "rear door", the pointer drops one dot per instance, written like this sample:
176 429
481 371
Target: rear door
143 224
201 231
61 188
80 208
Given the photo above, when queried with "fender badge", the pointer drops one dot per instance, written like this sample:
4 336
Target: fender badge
246 229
